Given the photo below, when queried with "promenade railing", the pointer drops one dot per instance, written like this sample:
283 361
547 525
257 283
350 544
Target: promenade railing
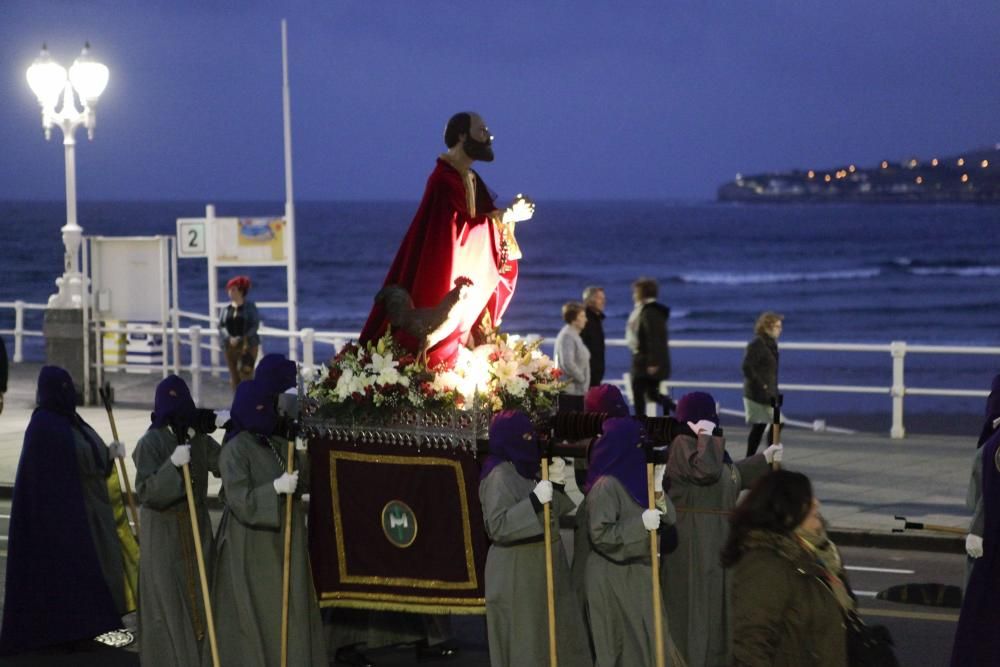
190 345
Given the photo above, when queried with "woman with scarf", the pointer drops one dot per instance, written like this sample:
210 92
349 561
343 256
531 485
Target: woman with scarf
238 326
790 598
618 571
171 608
249 552
512 499
65 571
704 484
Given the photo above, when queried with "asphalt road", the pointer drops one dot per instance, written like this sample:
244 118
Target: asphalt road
923 633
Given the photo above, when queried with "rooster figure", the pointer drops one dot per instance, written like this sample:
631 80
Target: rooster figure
428 325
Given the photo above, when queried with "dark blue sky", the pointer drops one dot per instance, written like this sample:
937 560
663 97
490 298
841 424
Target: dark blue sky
587 99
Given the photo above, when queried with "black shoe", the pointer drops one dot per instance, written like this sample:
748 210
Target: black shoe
446 650
352 657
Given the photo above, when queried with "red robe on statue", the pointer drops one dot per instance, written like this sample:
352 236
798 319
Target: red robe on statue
447 240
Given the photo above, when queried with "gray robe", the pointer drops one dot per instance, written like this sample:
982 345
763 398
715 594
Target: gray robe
704 490
100 513
619 578
249 556
974 502
171 609
516 602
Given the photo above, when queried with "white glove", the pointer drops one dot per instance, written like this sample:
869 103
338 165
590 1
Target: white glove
974 546
116 449
658 471
221 417
543 491
651 519
774 453
181 456
285 485
703 426
557 471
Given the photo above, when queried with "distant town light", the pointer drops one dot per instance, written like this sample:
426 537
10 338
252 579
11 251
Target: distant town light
913 162
885 164
827 178
852 169
934 162
919 180
965 178
811 174
961 161
984 164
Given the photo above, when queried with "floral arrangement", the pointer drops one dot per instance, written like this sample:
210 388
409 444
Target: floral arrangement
369 381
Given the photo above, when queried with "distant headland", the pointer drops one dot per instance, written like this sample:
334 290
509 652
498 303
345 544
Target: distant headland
972 177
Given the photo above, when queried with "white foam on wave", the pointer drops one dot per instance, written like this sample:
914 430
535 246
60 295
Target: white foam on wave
726 278
961 271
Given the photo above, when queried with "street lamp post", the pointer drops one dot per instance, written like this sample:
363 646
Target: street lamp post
50 83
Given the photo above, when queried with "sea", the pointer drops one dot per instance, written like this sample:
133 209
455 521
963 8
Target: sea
923 274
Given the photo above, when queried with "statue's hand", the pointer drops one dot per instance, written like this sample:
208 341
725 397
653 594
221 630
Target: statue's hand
520 210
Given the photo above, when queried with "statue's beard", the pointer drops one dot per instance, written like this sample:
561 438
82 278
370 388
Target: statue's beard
478 150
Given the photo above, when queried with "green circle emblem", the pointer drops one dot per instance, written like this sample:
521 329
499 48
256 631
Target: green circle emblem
399 524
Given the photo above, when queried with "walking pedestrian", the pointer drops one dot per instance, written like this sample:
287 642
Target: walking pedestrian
974 497
512 500
238 326
172 617
760 377
593 332
647 338
572 358
704 484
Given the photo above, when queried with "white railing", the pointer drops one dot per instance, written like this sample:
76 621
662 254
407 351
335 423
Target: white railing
205 339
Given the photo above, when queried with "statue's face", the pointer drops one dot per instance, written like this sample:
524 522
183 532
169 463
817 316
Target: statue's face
479 144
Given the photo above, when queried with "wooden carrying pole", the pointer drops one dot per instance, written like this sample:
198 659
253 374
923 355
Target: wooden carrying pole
776 427
210 620
654 557
549 578
121 464
286 574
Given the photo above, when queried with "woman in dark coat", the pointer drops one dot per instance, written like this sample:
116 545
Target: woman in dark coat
790 598
65 575
238 324
760 377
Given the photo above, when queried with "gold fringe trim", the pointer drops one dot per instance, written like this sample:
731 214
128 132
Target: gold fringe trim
408 608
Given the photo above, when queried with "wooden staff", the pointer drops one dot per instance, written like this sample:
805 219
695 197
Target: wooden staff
776 426
201 564
654 557
549 577
106 398
286 574
916 525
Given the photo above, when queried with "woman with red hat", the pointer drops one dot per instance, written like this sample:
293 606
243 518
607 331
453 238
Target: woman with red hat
238 325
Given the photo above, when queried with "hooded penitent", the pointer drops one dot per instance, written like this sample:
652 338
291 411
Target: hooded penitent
55 590
992 412
276 373
253 409
512 438
619 453
606 398
697 460
173 405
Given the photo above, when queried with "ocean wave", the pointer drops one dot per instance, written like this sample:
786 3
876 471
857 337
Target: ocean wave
729 278
961 271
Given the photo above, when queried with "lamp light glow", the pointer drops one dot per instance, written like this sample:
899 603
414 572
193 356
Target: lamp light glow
47 78
88 76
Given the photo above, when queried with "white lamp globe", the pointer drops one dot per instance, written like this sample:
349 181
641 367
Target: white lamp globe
88 76
46 78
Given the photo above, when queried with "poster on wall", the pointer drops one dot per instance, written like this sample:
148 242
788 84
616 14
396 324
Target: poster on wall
250 241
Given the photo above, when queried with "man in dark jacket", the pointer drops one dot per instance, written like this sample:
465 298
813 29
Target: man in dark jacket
593 332
646 334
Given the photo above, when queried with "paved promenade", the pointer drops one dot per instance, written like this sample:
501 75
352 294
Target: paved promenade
862 480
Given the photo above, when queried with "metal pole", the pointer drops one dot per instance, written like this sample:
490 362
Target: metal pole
85 305
175 304
898 352
164 304
70 292
308 343
18 331
213 288
196 364
293 298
